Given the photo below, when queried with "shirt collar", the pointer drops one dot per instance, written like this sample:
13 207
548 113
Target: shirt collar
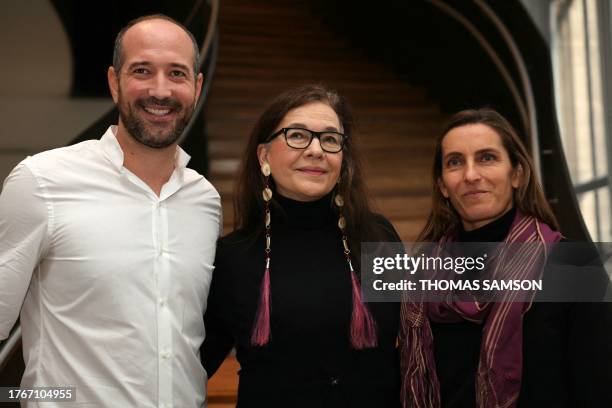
182 158
112 150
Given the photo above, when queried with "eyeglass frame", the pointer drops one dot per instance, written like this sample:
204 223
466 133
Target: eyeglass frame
313 134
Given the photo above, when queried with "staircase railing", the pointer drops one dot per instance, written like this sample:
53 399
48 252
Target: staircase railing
472 53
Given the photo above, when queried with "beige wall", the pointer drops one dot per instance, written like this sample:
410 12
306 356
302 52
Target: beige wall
36 112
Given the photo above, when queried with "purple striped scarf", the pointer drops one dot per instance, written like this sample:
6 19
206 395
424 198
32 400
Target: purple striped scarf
499 374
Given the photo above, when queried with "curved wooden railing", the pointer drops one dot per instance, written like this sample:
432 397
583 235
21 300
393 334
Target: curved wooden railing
532 90
472 53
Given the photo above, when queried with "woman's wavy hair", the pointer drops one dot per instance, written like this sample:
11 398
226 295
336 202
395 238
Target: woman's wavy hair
248 202
528 198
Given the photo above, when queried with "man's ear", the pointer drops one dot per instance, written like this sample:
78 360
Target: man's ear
113 84
516 179
442 188
262 153
198 87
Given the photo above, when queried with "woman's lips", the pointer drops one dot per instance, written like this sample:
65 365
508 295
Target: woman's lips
313 171
475 194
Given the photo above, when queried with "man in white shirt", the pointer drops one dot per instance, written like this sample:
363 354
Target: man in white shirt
107 246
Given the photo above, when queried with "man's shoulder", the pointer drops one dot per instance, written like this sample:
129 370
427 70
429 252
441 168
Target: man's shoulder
204 186
60 156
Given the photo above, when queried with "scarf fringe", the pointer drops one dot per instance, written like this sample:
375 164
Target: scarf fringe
420 388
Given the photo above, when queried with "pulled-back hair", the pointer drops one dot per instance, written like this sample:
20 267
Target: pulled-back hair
528 198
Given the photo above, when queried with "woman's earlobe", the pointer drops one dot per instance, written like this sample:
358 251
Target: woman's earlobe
442 188
517 176
262 154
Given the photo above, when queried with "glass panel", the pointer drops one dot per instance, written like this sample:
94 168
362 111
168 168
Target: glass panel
581 80
579 83
605 214
577 116
597 90
586 201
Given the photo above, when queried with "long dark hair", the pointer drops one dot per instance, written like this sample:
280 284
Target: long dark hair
528 198
360 225
248 203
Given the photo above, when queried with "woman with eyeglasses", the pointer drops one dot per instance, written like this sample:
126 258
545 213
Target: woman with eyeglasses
286 289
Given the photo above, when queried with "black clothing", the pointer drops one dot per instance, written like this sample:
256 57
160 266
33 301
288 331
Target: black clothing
567 348
495 231
309 361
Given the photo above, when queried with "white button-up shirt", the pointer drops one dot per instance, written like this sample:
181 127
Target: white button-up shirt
111 279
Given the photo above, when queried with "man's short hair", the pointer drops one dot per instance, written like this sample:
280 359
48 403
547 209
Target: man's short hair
118 59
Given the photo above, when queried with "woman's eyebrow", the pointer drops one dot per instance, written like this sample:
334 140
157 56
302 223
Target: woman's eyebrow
449 154
488 150
303 126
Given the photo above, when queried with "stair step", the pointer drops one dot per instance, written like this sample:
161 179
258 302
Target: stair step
295 74
271 88
237 51
408 229
235 98
281 42
222 388
392 113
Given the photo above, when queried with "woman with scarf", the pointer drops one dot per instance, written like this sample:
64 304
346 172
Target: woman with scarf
459 353
286 291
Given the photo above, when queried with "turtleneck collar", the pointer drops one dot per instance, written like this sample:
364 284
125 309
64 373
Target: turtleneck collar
494 231
303 214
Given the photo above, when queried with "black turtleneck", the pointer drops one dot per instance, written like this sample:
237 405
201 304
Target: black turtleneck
309 361
495 231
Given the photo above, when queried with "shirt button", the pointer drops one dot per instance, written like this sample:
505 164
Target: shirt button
334 381
162 302
165 355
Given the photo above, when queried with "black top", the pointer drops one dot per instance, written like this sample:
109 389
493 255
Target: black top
567 348
309 361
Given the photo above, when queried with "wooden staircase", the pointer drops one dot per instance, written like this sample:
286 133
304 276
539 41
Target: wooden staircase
268 46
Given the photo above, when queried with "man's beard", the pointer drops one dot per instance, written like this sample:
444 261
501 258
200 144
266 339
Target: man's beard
141 131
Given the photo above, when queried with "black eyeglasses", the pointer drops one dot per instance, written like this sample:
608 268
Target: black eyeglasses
298 138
